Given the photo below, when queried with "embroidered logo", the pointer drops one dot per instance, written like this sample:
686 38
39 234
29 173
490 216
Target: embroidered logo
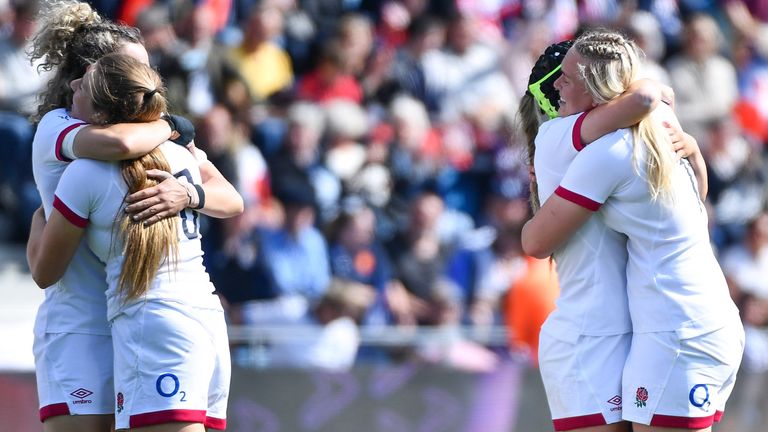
616 401
120 402
81 394
641 397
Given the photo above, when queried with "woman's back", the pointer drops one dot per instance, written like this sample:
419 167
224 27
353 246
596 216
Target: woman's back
95 190
673 279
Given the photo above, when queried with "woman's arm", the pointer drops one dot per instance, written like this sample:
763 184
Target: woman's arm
51 247
120 141
556 221
221 199
627 109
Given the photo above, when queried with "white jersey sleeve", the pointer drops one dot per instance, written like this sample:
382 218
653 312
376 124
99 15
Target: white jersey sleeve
598 171
77 195
558 141
55 130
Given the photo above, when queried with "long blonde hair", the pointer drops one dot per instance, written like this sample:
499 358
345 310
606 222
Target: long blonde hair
612 62
126 90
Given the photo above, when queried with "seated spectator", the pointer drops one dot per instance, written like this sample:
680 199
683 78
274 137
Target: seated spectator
357 255
265 66
330 79
704 81
449 346
331 330
406 73
20 82
346 125
300 156
419 256
196 69
293 259
229 258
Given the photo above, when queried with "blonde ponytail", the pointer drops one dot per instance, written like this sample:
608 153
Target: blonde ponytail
130 91
144 247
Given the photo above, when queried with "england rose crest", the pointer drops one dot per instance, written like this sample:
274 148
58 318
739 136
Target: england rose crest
641 397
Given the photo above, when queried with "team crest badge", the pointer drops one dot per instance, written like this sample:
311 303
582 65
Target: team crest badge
641 397
120 401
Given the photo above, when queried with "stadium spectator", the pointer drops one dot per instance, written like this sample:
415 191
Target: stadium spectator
20 82
290 291
331 326
705 82
265 66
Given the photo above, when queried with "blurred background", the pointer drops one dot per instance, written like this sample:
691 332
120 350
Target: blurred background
376 276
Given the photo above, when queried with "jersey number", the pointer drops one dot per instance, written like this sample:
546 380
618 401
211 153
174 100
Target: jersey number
188 216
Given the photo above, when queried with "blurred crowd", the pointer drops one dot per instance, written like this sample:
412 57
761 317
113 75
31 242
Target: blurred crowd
375 146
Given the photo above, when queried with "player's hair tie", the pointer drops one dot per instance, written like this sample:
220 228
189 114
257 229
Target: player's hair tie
149 94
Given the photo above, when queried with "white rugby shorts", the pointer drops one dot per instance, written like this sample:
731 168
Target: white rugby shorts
681 383
582 379
74 374
171 365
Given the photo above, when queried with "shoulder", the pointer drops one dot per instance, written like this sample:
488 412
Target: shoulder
55 124
58 115
92 167
618 143
558 124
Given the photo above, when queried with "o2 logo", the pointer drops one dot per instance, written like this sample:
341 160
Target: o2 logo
167 385
699 396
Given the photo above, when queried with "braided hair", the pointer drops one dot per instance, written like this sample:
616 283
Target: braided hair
541 99
611 63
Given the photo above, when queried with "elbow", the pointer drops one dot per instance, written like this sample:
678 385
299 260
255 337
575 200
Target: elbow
536 250
42 281
123 148
647 98
239 206
532 245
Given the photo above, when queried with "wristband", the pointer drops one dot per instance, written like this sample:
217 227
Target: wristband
169 120
200 196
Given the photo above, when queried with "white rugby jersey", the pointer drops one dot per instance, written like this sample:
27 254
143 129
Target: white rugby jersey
76 303
674 282
591 265
91 193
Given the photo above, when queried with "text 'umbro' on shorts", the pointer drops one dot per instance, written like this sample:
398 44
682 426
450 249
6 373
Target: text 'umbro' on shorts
74 374
171 365
582 379
681 383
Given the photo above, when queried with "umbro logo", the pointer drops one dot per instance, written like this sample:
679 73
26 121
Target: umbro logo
81 394
616 401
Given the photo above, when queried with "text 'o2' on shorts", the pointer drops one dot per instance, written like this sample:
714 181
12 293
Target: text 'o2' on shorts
582 379
171 365
74 374
681 383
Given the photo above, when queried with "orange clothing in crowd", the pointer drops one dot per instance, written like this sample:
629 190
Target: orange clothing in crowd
529 302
